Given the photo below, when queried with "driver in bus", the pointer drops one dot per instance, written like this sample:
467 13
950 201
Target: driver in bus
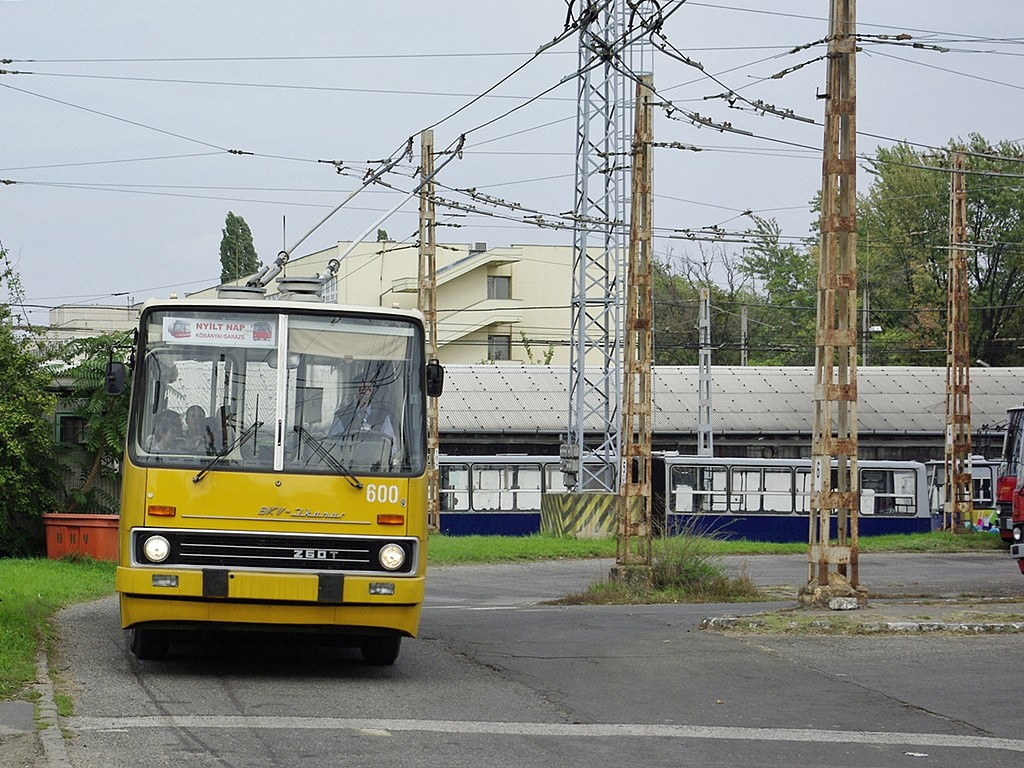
363 413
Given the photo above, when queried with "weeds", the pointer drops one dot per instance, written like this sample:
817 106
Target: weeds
684 569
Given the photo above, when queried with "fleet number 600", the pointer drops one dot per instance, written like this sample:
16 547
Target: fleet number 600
381 494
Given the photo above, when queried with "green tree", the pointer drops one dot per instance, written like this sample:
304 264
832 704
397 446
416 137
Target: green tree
104 420
903 252
782 321
237 254
26 431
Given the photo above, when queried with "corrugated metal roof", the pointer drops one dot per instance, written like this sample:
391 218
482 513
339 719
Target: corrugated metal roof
534 399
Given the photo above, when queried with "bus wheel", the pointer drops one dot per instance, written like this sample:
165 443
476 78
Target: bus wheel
380 651
149 644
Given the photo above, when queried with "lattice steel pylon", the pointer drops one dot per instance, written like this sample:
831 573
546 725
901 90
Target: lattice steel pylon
834 486
958 507
595 358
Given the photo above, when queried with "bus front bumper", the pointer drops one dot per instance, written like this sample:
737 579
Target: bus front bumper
220 595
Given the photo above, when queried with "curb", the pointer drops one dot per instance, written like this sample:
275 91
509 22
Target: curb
55 750
871 627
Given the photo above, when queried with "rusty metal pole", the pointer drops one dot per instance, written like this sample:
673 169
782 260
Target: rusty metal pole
428 306
959 502
633 549
835 492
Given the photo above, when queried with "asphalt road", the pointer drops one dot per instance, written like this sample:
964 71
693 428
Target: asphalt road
499 679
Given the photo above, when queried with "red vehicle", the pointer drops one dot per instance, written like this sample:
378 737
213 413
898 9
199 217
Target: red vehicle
1015 422
1009 463
1017 547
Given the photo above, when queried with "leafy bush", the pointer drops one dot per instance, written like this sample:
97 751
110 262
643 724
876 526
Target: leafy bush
26 436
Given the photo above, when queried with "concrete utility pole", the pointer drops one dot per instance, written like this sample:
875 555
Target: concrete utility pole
705 432
633 548
959 486
595 359
428 306
835 384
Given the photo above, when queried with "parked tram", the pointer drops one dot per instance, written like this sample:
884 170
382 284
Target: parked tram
275 472
757 499
984 482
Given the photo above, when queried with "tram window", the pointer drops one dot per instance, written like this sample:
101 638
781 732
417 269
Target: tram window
454 490
778 490
761 489
983 496
699 489
528 482
802 490
887 491
554 480
506 487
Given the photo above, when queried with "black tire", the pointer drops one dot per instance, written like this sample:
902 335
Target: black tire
381 651
149 644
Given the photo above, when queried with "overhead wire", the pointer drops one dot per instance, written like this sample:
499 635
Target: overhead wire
450 116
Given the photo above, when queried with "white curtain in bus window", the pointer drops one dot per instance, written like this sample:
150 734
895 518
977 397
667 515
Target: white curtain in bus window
349 340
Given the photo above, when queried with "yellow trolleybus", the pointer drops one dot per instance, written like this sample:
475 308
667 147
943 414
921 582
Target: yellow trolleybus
275 472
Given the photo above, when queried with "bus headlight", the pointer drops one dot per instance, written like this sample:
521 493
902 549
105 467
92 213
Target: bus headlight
1017 533
391 557
156 549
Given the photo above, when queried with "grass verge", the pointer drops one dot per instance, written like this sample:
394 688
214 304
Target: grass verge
31 590
458 550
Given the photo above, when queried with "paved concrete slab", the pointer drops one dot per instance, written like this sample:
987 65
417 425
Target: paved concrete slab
17 717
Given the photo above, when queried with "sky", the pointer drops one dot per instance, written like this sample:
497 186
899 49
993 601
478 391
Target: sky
131 129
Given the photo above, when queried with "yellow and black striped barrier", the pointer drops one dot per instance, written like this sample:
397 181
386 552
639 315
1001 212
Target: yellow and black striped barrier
579 515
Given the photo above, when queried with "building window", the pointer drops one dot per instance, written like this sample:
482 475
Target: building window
70 429
499 347
499 287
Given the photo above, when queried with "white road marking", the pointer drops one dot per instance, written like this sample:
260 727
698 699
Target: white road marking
555 730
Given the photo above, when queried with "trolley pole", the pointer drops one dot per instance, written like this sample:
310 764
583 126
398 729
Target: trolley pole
633 548
428 306
958 508
832 571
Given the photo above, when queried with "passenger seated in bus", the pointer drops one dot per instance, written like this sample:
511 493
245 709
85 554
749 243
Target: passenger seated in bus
197 431
363 413
167 432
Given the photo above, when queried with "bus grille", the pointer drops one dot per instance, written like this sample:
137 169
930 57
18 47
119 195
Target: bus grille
203 549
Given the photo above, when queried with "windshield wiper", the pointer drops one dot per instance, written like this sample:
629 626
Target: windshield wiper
249 432
325 455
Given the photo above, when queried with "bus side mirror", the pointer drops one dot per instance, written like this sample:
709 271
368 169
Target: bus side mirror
435 378
113 378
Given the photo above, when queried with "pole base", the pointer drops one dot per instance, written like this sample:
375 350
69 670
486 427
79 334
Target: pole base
631 575
837 595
